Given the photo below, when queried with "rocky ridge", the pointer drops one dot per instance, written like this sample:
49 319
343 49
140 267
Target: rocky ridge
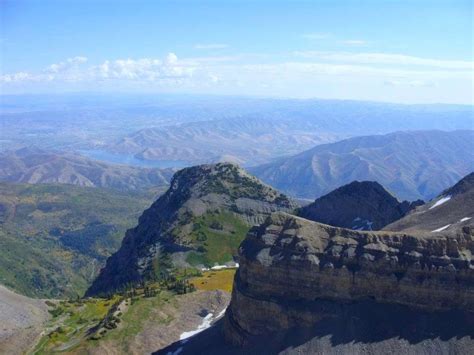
452 209
201 219
294 272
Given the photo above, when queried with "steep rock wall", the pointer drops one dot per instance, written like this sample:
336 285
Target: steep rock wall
293 272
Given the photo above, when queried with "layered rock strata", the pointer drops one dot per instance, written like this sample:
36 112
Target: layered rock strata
293 272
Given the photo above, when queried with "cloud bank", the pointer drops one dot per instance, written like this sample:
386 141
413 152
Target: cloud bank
362 75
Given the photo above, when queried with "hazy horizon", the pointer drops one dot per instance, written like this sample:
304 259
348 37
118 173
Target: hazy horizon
417 52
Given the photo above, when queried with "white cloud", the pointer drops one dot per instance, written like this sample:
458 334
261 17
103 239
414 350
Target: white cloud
412 83
397 60
69 63
364 76
211 46
144 69
20 76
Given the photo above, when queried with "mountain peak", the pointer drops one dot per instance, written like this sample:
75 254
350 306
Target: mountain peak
199 221
452 210
222 178
360 187
201 177
361 205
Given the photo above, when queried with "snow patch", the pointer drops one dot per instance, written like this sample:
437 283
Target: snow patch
465 219
360 224
220 267
221 313
441 229
206 323
440 202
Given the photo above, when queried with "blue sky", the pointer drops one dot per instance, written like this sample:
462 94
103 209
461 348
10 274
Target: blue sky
401 51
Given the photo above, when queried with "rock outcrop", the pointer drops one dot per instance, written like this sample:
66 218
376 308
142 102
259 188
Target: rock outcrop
199 221
452 209
294 273
364 205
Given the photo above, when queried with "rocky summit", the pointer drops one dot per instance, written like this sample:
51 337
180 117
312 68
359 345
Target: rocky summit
296 273
359 205
452 209
200 221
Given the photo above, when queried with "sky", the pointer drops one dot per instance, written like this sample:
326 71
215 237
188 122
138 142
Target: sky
408 51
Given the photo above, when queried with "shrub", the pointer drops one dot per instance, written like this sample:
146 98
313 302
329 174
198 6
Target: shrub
217 225
201 237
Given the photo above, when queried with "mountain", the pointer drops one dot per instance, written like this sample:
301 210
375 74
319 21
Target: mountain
272 127
317 288
362 205
246 140
34 165
412 165
199 221
307 287
452 209
54 238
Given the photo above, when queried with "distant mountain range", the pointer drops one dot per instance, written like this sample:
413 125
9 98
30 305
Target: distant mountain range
34 165
412 165
205 129
240 140
271 128
362 205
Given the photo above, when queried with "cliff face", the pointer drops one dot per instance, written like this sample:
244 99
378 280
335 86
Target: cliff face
294 272
362 205
199 221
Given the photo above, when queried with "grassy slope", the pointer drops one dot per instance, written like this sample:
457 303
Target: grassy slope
217 237
71 322
54 238
215 280
69 330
